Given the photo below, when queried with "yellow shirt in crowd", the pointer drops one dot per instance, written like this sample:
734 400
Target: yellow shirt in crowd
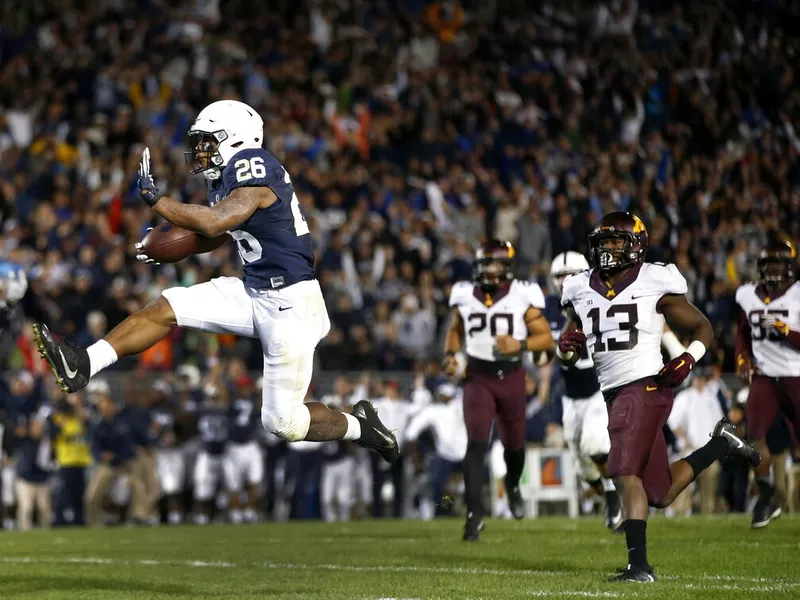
71 441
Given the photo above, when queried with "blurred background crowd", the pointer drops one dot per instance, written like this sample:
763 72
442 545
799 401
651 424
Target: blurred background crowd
411 129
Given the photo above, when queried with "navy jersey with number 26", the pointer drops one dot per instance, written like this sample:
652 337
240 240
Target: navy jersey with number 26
274 243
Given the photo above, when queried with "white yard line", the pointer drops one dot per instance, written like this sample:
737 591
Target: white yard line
724 582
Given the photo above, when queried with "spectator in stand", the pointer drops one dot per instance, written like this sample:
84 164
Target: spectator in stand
113 449
143 472
29 488
68 428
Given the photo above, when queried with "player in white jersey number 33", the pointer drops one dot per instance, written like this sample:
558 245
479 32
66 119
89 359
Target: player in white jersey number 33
250 201
618 310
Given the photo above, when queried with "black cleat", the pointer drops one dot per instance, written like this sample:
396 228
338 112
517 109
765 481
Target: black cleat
70 365
765 511
516 503
375 436
633 574
613 512
736 444
473 528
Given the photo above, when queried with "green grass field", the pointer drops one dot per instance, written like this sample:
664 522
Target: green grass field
545 558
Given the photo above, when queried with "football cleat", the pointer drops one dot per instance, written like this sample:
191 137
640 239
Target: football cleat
613 513
765 511
70 365
516 503
473 528
633 574
737 446
375 436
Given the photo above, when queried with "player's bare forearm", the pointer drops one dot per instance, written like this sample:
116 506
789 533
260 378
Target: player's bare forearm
454 339
744 340
685 317
539 337
573 324
213 221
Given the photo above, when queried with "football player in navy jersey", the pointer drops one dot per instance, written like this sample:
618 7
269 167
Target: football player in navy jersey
213 427
585 417
243 464
251 201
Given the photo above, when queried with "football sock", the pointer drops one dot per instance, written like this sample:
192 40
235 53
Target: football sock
515 463
473 475
636 537
101 355
353 427
702 458
608 485
765 487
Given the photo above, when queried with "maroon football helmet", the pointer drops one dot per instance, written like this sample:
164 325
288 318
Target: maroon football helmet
776 263
493 264
619 241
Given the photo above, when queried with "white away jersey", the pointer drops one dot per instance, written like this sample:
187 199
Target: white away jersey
771 355
622 325
505 316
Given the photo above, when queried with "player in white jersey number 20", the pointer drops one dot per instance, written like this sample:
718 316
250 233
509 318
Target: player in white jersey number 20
618 309
495 319
250 200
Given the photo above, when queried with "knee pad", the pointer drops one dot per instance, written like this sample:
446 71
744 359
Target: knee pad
599 459
291 425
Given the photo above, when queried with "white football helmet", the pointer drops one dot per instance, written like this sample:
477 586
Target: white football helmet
221 130
565 264
13 282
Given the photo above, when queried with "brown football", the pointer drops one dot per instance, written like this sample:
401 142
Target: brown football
169 243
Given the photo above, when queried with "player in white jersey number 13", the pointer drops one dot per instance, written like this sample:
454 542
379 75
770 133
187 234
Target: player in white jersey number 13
618 309
768 359
250 200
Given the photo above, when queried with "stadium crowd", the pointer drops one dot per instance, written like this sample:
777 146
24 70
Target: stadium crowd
412 130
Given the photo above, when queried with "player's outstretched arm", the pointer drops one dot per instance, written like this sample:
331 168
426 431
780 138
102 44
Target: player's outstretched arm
453 342
572 339
213 221
210 221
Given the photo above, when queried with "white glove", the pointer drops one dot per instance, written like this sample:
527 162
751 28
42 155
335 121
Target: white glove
141 255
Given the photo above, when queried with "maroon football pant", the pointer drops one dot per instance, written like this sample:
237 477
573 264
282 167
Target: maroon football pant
769 396
488 400
636 418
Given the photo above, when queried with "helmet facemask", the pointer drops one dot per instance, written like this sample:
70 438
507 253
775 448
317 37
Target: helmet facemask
775 271
491 272
613 251
204 154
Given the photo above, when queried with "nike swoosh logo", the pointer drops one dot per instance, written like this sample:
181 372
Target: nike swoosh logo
388 439
638 297
651 388
739 443
70 372
283 308
683 362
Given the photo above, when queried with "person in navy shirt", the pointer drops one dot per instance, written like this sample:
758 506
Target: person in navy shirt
244 464
33 453
251 200
144 471
213 427
113 449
